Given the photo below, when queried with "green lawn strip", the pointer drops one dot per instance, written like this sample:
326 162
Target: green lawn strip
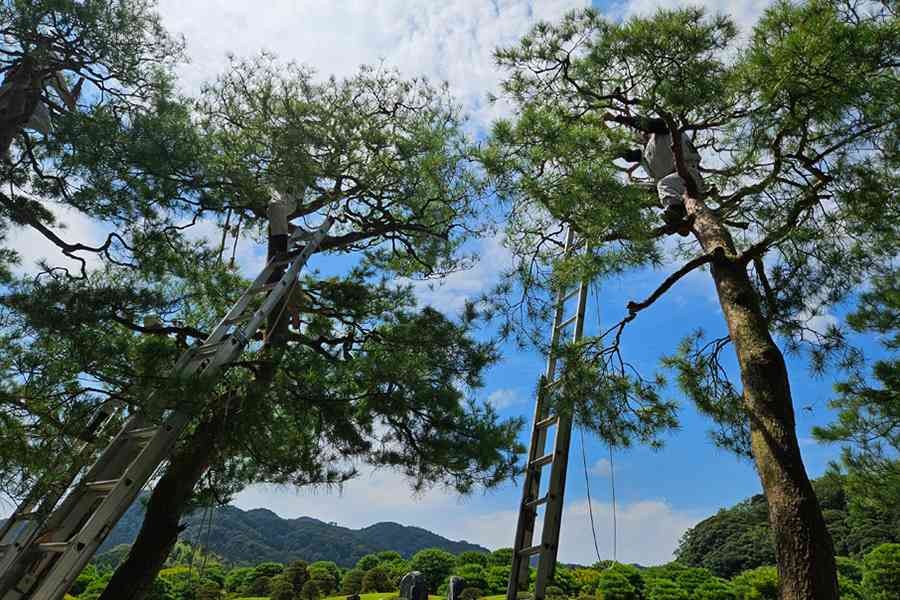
375 596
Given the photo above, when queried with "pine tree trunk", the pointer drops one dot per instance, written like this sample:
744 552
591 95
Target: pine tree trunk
803 546
18 101
134 578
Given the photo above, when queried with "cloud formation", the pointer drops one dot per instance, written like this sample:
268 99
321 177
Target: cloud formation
445 41
647 531
504 398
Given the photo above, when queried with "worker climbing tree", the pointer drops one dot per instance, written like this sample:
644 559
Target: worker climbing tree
658 160
797 128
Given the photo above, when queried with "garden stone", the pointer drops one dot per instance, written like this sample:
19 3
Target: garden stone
455 588
412 586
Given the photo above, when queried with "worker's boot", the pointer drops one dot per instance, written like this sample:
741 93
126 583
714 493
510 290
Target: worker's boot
674 215
278 247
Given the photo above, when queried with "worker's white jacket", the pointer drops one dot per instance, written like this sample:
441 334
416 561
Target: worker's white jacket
279 210
659 162
658 158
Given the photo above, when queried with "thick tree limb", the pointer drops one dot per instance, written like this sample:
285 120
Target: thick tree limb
635 307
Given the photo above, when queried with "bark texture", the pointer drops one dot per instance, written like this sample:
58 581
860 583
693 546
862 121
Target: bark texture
803 546
18 100
134 578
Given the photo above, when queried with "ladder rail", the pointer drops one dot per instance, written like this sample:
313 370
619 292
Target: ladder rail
19 530
68 538
537 457
553 516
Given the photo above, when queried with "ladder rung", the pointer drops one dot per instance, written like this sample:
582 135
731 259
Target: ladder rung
54 546
531 550
552 384
104 485
537 502
263 288
567 322
143 433
207 349
572 293
540 462
301 235
27 516
240 318
288 259
548 422
576 245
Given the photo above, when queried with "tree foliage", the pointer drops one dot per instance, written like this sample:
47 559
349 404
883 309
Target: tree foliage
377 579
435 565
738 538
882 572
868 421
352 582
613 585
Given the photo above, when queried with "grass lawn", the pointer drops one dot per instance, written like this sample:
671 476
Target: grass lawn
376 596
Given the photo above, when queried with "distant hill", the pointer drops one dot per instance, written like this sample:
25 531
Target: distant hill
253 536
739 538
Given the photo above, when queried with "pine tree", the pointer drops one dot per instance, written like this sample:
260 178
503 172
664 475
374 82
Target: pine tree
799 171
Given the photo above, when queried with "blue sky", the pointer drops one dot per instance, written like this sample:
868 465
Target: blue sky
661 493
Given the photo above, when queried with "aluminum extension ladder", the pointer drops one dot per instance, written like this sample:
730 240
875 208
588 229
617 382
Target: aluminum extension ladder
538 457
20 528
44 559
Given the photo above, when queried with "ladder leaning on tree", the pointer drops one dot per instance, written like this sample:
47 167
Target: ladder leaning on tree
538 457
43 556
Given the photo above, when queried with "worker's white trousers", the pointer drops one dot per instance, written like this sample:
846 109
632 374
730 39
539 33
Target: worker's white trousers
671 188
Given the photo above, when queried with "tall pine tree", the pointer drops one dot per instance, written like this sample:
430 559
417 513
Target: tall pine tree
797 127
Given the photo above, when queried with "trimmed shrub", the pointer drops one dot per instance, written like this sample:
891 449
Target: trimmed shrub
435 564
554 592
471 557
760 583
282 588
297 574
714 589
881 573
352 581
473 575
310 591
691 579
665 589
613 585
471 593
260 586
376 580
369 561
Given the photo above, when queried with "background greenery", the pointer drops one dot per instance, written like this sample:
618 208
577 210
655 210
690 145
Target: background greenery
728 556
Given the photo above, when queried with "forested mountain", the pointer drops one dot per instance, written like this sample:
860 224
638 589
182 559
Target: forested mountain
250 537
738 538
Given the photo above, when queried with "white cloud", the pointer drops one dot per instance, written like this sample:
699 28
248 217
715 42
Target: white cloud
446 41
602 468
647 531
504 398
449 294
72 227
